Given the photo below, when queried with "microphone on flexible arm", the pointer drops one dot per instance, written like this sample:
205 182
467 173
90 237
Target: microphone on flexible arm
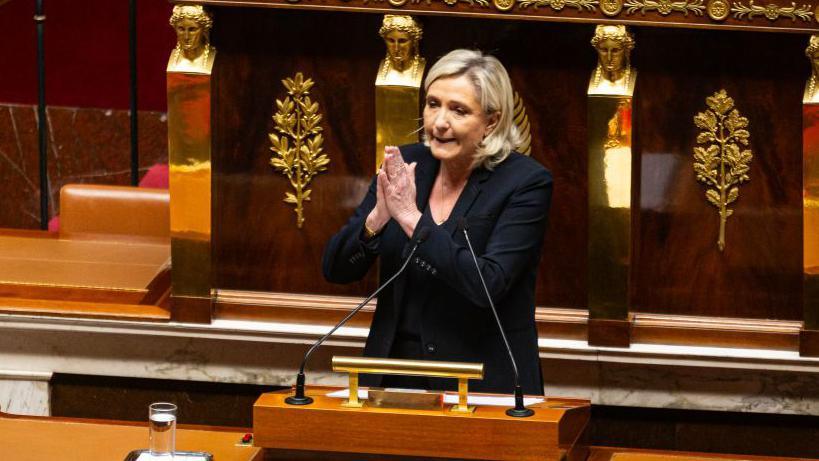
520 411
299 398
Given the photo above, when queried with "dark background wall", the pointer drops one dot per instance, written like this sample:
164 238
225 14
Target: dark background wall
87 91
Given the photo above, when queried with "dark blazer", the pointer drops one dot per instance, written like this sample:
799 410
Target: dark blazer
506 210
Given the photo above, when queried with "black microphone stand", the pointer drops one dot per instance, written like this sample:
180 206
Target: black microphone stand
299 398
520 410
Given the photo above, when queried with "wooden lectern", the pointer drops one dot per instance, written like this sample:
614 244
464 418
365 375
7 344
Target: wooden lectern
554 432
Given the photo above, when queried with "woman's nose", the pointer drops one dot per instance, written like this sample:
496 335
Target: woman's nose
442 120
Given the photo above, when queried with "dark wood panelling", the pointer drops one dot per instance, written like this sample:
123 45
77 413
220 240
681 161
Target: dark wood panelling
680 270
677 268
257 245
104 397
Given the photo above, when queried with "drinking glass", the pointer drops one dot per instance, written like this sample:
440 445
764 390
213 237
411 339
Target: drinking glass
162 430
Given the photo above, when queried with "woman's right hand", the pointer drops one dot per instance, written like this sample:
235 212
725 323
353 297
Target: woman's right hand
379 216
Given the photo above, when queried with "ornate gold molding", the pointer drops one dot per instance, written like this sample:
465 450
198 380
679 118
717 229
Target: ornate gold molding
772 11
522 122
557 5
721 165
297 120
665 7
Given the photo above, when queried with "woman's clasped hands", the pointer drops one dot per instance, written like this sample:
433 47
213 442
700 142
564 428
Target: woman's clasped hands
395 194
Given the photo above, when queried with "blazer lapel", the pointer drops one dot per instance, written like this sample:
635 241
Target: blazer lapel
425 172
470 193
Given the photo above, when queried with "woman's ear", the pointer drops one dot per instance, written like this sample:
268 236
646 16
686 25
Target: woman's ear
494 118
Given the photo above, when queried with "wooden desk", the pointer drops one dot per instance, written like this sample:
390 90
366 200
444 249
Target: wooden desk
630 454
61 439
127 276
370 432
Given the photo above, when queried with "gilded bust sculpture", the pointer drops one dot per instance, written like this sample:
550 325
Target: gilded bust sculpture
812 52
193 52
613 74
402 66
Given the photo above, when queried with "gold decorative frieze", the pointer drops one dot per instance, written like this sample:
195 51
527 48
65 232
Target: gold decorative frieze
718 10
721 164
298 144
557 5
665 7
522 122
611 7
503 5
772 12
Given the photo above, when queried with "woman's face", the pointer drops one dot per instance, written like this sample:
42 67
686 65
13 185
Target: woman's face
814 62
399 48
454 122
612 55
188 34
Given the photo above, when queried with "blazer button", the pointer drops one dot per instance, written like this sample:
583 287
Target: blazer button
431 348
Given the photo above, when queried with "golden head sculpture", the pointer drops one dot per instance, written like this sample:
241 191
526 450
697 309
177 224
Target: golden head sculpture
192 24
812 52
402 36
613 74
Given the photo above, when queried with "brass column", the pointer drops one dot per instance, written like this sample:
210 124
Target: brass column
189 83
609 178
397 85
809 337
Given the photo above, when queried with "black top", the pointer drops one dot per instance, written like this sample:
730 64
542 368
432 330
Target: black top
506 210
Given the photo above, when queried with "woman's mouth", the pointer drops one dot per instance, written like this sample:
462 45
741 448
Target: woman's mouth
443 140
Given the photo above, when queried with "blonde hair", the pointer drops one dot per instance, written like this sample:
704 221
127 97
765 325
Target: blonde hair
494 91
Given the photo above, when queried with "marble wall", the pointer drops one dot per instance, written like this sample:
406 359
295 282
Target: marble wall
85 145
25 393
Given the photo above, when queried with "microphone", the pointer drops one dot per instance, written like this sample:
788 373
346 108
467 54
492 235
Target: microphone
520 411
299 398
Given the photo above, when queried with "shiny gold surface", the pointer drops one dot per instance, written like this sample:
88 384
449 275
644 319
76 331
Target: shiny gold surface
665 7
772 12
611 7
522 122
810 215
428 368
613 74
298 146
718 10
405 398
557 5
193 52
189 151
397 85
503 5
434 369
610 166
721 164
812 52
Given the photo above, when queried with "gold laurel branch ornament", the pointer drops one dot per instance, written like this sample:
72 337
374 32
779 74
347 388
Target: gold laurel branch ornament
557 5
522 122
721 165
298 144
772 12
665 7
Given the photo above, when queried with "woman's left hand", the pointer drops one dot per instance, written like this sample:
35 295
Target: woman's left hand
397 181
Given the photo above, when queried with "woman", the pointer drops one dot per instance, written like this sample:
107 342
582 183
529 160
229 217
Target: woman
464 171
